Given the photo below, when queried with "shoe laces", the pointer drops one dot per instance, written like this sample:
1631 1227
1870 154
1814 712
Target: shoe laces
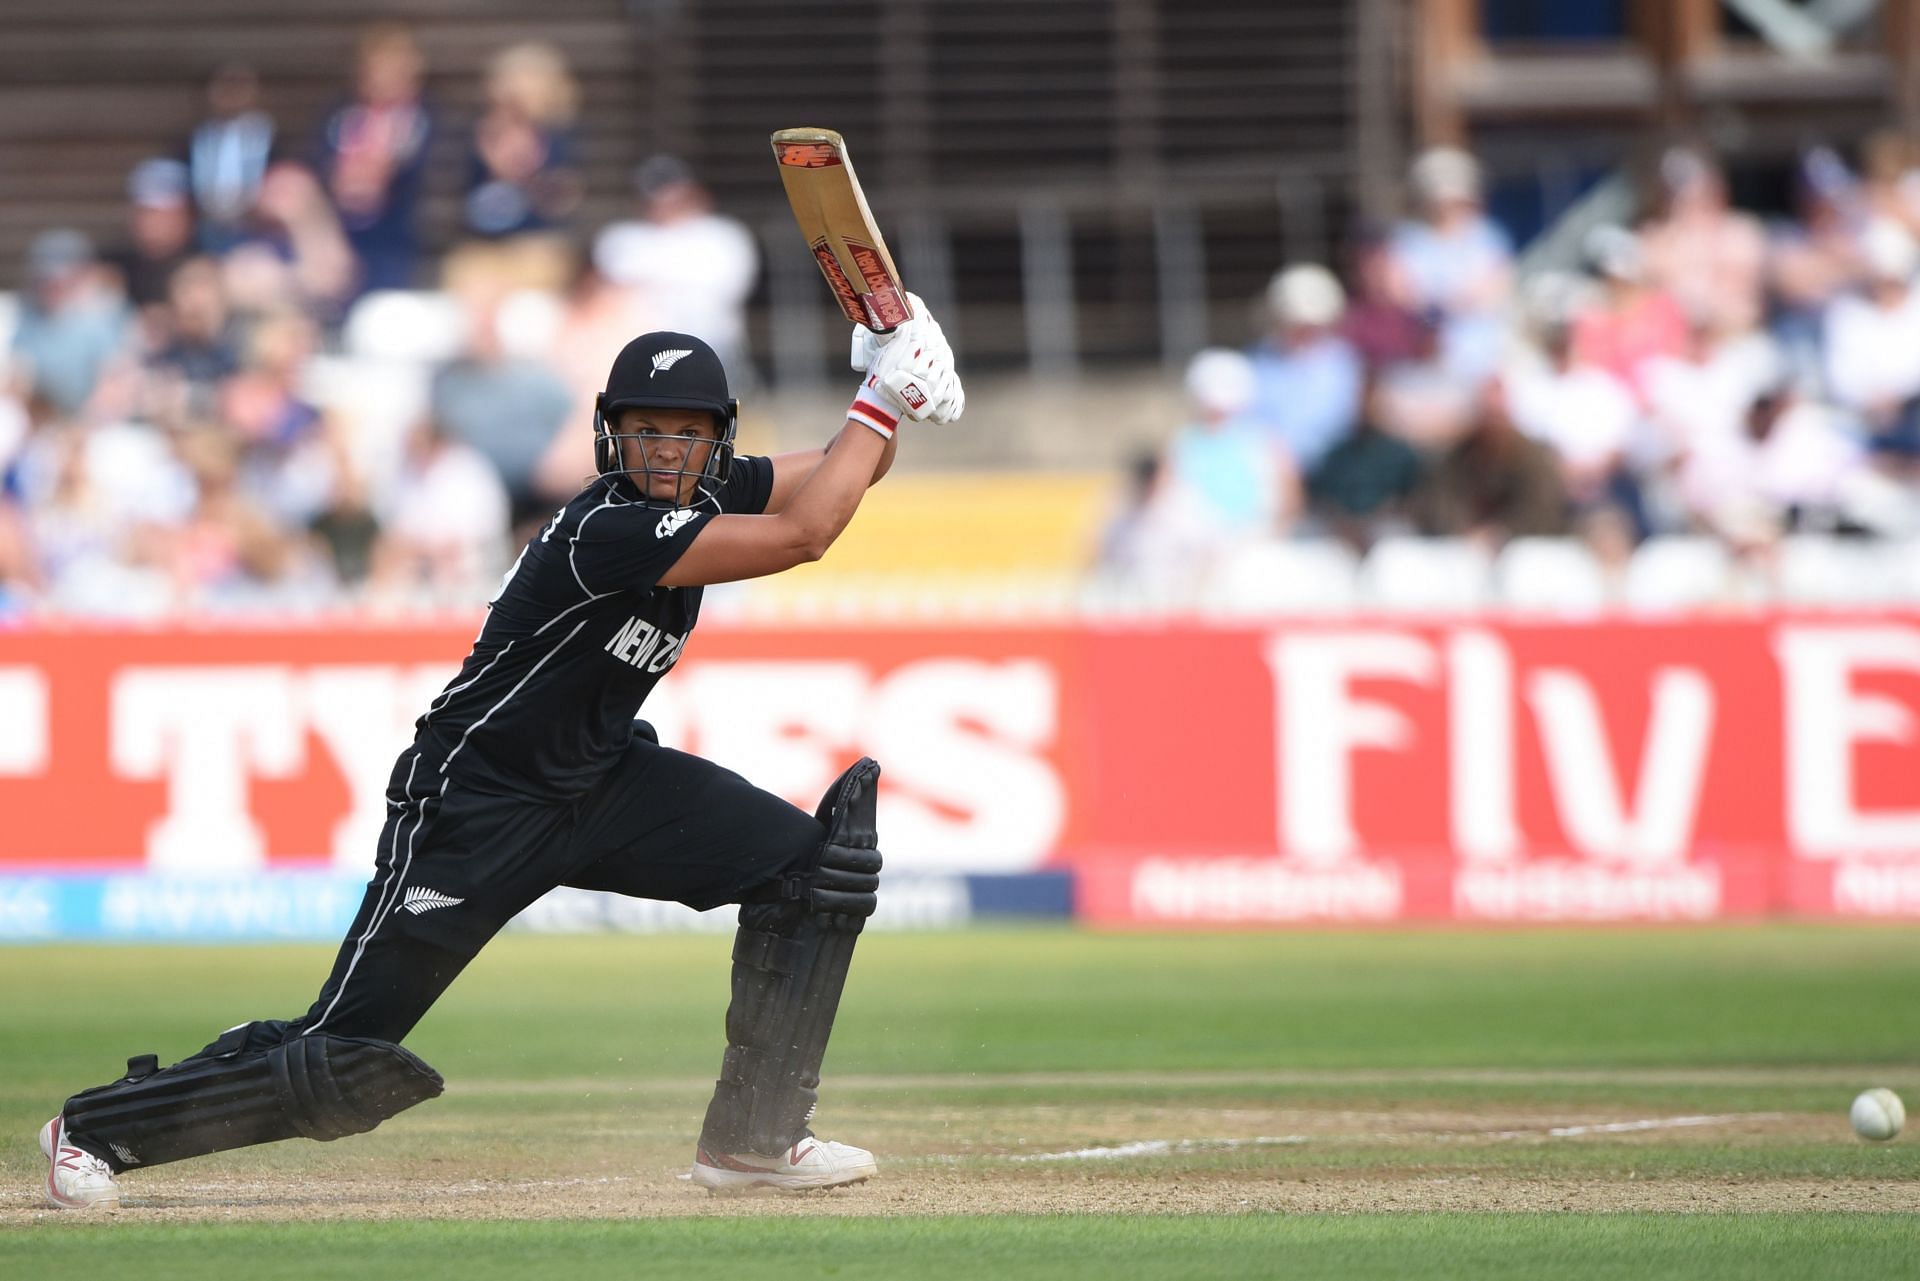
81 1161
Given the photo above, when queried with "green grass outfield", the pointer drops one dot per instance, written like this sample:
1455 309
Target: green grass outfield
1313 1097
1471 1247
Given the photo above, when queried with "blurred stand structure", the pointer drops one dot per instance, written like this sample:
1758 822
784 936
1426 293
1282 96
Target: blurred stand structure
1567 307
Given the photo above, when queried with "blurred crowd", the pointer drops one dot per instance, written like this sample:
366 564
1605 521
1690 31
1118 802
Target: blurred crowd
1704 373
265 392
227 407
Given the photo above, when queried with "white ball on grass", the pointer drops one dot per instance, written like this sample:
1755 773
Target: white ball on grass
1878 1114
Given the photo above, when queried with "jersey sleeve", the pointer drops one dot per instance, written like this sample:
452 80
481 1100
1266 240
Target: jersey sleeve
627 547
749 486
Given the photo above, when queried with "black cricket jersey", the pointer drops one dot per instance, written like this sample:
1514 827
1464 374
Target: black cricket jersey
576 639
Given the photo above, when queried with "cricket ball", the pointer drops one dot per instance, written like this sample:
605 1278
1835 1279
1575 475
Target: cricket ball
1877 1114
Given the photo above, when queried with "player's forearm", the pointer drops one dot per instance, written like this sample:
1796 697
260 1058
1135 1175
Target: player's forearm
885 464
827 499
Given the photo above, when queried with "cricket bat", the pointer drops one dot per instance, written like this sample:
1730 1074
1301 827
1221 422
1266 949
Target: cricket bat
839 228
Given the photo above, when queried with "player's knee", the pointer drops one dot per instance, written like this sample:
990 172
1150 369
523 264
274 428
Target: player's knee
842 886
836 878
846 883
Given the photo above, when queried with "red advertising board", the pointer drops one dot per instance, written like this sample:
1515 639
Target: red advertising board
1366 770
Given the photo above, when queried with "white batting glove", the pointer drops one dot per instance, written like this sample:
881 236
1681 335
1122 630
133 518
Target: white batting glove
868 345
911 376
951 401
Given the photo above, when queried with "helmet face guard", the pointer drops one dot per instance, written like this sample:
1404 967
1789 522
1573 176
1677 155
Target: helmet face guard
614 456
674 371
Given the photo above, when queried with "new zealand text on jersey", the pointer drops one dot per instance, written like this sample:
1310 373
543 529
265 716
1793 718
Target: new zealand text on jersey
641 644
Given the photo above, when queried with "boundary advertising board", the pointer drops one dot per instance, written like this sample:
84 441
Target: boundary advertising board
1367 771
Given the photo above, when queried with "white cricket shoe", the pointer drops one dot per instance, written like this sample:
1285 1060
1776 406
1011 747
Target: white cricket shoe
76 1178
810 1163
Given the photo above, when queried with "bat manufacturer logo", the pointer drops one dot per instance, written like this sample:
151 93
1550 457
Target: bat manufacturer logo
809 155
843 289
668 359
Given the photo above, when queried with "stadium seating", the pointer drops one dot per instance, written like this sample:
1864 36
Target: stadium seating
1831 572
1284 577
1556 576
1426 575
1676 574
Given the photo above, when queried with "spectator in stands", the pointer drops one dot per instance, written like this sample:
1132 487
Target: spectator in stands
294 251
346 530
444 525
523 177
1225 463
229 553
1458 261
1576 406
1382 323
1890 179
1814 258
1307 376
1359 491
1873 340
227 157
691 267
1493 484
1708 255
1157 546
1791 467
1704 393
1627 322
19 567
373 157
199 343
504 401
159 231
74 322
102 507
286 464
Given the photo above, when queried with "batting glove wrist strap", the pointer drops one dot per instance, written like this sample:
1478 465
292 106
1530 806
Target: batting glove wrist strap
873 406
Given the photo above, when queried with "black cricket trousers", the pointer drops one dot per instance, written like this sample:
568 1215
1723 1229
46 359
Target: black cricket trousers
455 864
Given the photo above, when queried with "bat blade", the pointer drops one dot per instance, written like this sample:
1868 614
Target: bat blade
839 228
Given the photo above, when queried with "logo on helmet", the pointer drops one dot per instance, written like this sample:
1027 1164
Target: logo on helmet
667 360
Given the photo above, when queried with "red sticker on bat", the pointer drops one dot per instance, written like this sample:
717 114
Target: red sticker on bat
887 305
808 155
843 291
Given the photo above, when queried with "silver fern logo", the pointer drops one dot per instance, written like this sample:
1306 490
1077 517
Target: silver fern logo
668 359
420 899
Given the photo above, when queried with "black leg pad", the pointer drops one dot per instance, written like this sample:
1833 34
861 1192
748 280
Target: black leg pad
790 962
252 1085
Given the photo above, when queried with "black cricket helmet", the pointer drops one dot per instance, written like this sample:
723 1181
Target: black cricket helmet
664 370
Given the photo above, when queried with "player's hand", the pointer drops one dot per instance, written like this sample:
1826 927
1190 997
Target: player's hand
910 376
915 372
868 345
